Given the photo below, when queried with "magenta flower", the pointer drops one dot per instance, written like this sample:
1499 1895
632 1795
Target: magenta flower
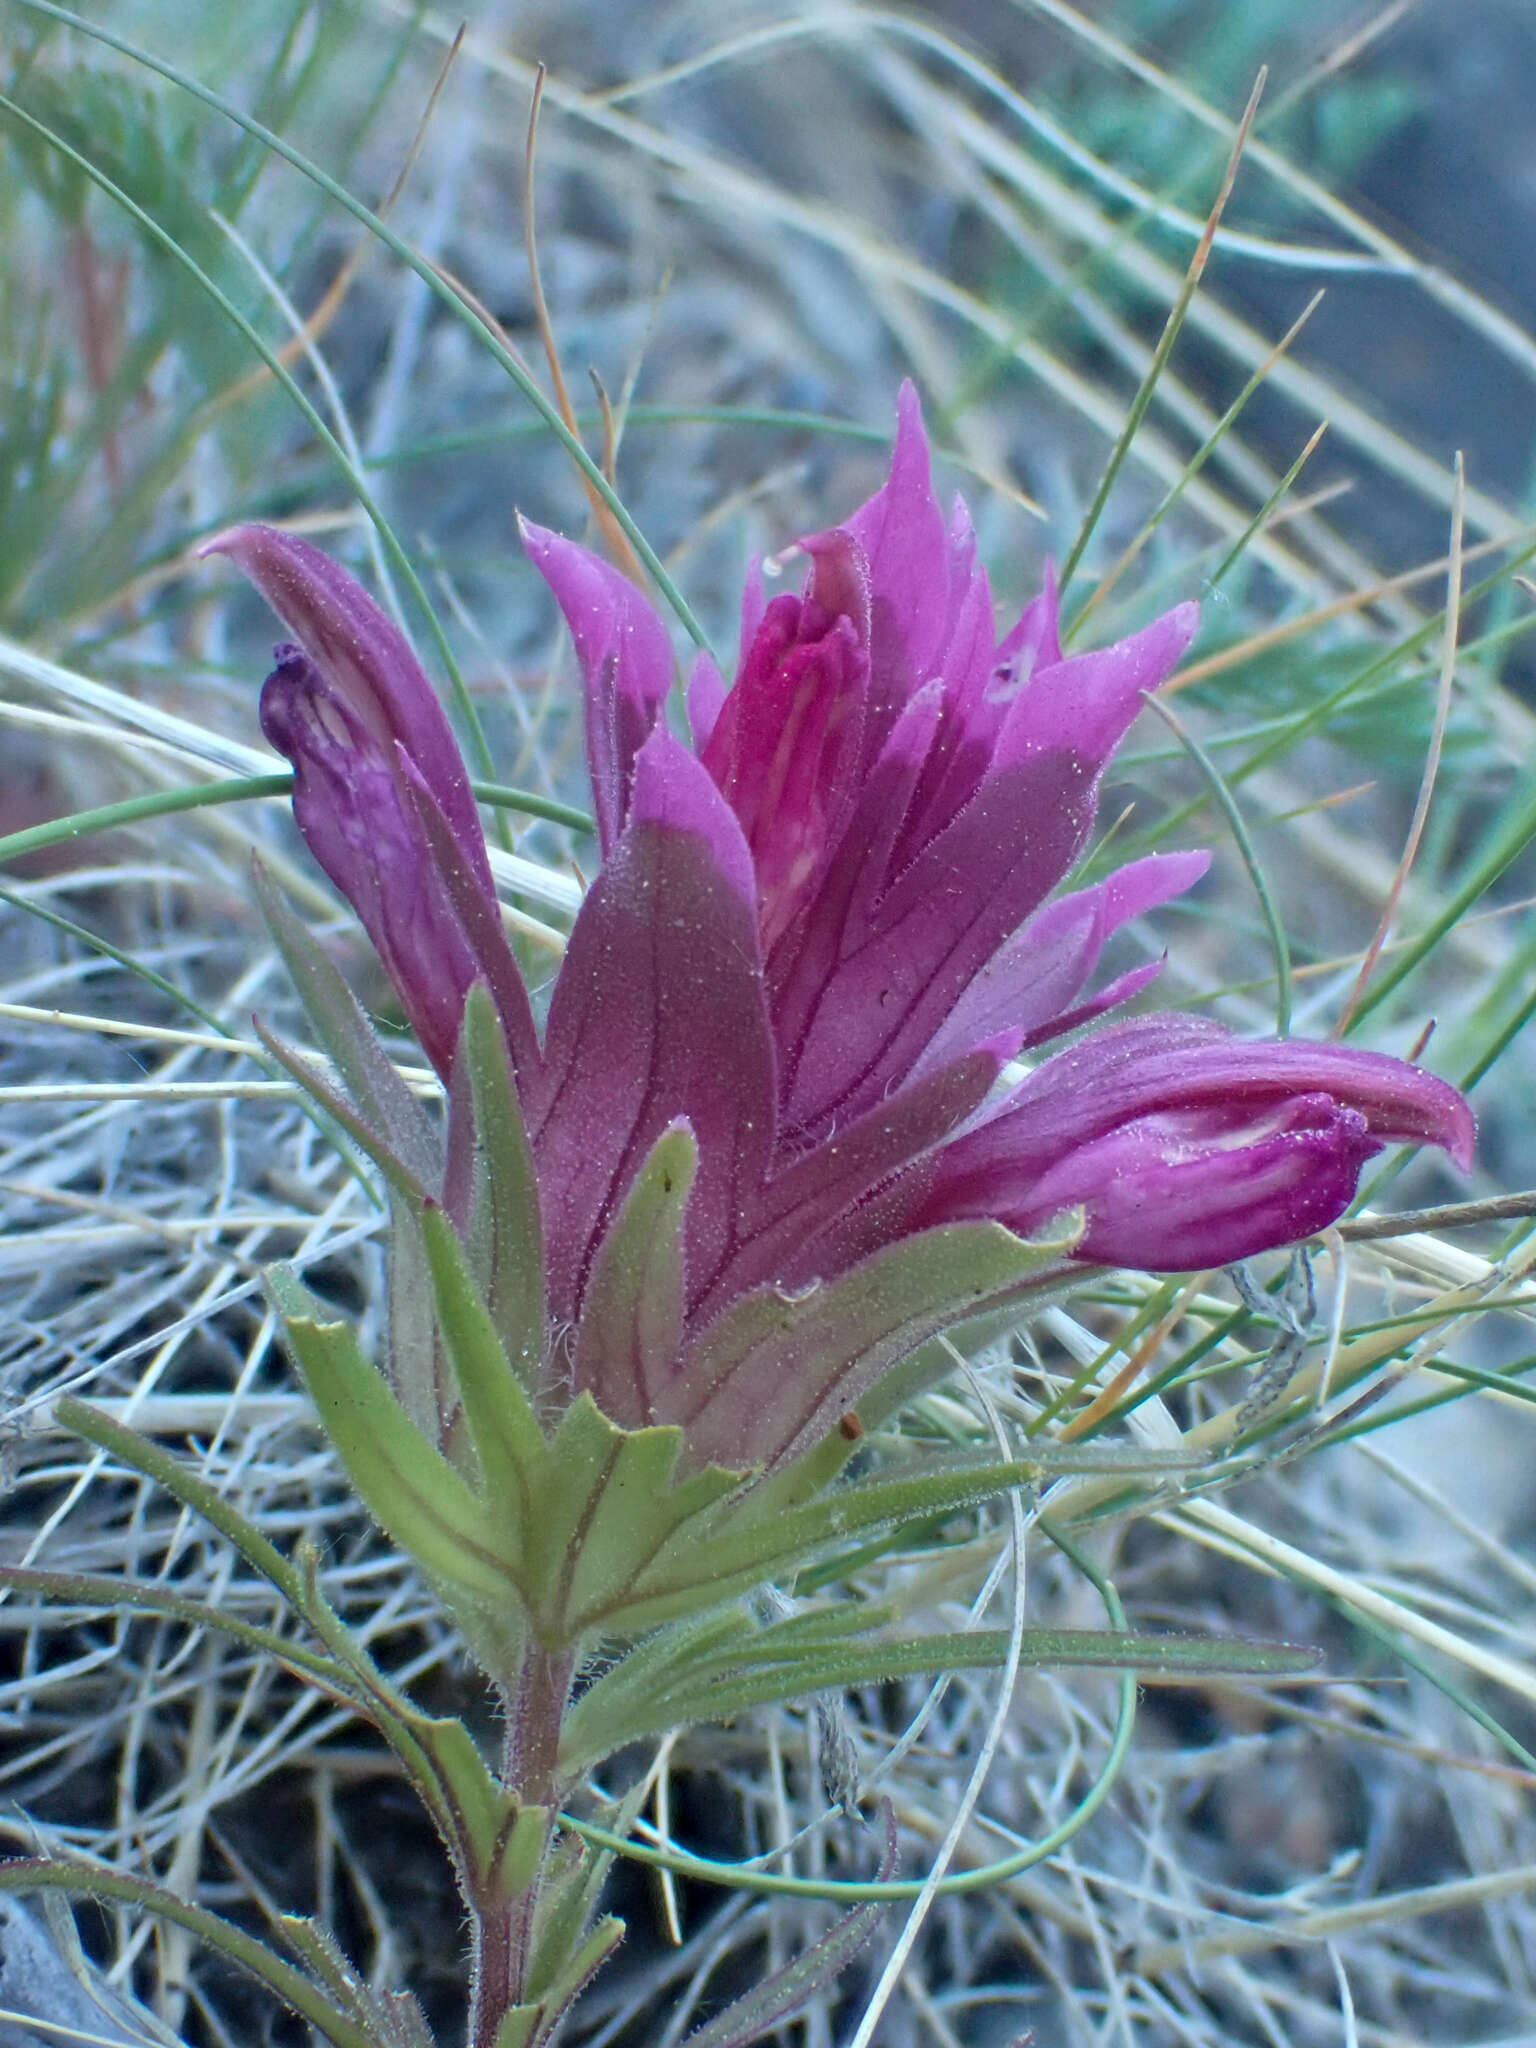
381 792
768 1117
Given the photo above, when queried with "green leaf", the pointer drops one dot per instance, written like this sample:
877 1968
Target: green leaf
500 1838
109 1595
517 2025
185 1485
318 1948
317 1084
409 1488
756 1540
519 1851
767 1681
779 1996
809 1476
439 1756
584 1965
89 1881
393 2019
606 1508
569 1887
631 1324
473 1812
647 1671
510 1225
638 1689
509 1444
784 1662
388 1106
695 1652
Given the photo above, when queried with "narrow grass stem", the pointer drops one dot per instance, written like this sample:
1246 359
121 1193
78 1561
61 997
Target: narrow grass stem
1266 512
1234 817
1447 1216
1170 334
163 803
1196 463
1432 759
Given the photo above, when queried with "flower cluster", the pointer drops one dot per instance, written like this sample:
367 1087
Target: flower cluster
776 1066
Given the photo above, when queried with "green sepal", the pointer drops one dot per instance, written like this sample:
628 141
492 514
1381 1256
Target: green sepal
506 1219
409 1488
630 1331
818 1353
509 1444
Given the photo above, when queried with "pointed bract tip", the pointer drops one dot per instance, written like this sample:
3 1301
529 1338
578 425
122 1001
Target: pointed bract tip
912 444
674 792
1457 1130
625 653
1183 623
266 553
1182 868
225 542
909 407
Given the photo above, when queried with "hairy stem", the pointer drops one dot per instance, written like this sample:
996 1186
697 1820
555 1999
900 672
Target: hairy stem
535 1715
503 1926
